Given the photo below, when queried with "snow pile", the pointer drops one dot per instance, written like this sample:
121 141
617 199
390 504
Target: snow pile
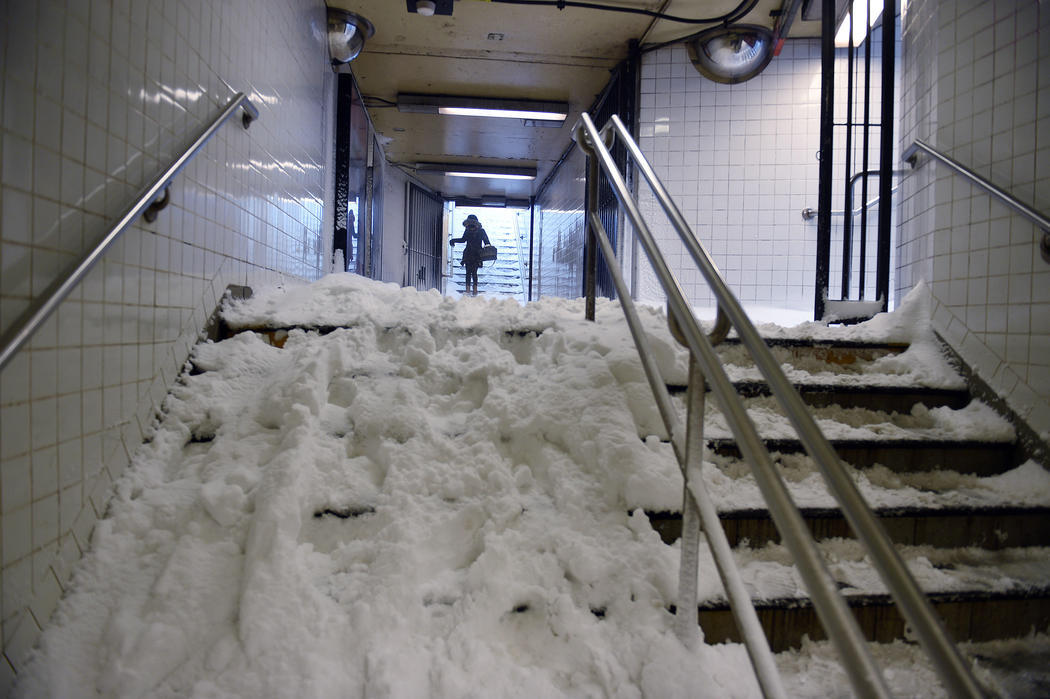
492 552
921 364
419 504
908 323
976 422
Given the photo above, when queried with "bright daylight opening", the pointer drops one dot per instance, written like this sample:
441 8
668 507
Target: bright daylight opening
507 230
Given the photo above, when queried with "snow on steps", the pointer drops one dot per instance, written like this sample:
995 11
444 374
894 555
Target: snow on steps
881 438
990 528
968 616
945 521
892 425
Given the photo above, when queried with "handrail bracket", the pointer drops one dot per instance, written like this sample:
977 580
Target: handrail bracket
147 203
911 156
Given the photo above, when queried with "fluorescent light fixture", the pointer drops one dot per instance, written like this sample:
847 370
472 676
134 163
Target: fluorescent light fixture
871 9
490 175
494 172
483 107
501 113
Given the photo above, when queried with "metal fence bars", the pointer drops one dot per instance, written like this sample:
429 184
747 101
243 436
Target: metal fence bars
424 239
841 626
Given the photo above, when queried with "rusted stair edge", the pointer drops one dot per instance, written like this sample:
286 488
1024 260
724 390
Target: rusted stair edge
842 352
823 343
968 616
981 458
992 527
276 336
775 342
898 399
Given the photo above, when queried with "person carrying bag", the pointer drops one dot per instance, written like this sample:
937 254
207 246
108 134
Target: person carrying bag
477 241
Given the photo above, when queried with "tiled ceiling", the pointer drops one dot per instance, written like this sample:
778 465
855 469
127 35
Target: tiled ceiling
492 49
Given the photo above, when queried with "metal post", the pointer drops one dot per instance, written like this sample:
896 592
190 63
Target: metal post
341 206
686 627
739 600
366 212
889 47
862 282
847 218
532 231
590 254
827 123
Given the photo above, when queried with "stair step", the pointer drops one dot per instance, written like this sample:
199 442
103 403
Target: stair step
901 455
895 399
968 616
276 337
988 527
830 351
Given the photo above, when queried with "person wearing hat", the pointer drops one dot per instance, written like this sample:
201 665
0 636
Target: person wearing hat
474 236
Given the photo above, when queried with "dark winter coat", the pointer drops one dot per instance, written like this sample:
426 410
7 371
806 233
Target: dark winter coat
474 237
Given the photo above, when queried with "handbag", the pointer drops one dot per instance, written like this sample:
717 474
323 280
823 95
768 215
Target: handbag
488 253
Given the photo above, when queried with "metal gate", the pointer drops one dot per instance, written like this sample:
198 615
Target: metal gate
619 99
352 155
848 286
423 239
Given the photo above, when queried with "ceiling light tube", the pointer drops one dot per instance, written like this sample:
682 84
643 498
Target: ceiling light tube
483 107
859 9
497 172
501 113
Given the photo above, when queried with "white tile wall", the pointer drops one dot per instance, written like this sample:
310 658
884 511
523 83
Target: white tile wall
740 161
395 183
986 102
557 261
97 96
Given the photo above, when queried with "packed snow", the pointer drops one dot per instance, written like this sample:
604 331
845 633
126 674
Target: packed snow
442 498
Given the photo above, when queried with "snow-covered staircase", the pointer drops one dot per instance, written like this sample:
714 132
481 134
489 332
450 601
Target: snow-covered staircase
928 455
502 277
363 490
929 471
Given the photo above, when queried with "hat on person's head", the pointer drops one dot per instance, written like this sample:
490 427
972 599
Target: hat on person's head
471 219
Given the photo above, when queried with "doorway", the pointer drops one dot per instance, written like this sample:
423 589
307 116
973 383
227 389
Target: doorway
508 230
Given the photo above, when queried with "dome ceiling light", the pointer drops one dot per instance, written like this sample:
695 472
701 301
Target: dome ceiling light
347 33
429 8
731 54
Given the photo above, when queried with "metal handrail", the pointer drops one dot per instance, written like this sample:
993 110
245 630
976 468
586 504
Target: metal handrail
15 337
839 623
911 154
809 212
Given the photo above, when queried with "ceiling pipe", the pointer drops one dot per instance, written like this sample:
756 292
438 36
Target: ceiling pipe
783 24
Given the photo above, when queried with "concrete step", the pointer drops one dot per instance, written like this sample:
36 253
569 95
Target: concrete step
489 273
491 286
890 399
843 353
968 616
902 455
949 527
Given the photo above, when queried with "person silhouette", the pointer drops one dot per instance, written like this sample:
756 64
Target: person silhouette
474 236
